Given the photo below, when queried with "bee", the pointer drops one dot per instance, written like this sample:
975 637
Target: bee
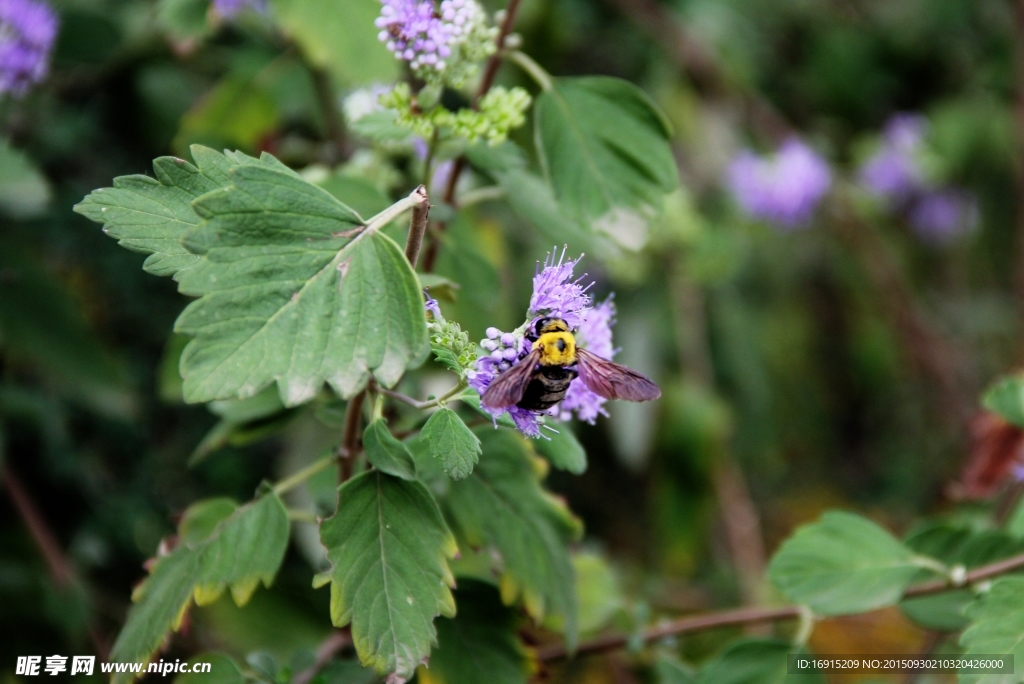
541 379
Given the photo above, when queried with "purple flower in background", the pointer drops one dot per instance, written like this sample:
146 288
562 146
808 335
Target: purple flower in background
594 335
229 9
943 215
894 171
27 31
556 294
415 33
784 188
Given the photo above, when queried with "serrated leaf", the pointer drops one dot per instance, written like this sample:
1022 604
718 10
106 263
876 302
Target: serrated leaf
292 291
997 627
843 564
241 547
501 505
452 443
339 37
386 453
388 546
1006 397
604 147
563 450
479 644
755 661
151 215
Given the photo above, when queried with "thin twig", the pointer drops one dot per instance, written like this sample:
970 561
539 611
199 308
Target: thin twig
418 225
295 479
327 100
339 640
349 448
743 616
429 403
57 564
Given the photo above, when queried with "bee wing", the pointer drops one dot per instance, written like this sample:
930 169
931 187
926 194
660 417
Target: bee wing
509 387
612 380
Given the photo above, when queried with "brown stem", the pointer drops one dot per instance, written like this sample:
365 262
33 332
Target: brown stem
350 436
743 616
339 640
57 564
326 99
418 226
486 82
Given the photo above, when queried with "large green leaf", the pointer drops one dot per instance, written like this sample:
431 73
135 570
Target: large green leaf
502 506
997 627
843 564
755 661
151 215
604 148
1006 397
479 644
292 290
339 37
220 546
388 546
452 443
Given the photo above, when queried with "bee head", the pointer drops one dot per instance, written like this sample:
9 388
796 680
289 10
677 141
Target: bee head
549 325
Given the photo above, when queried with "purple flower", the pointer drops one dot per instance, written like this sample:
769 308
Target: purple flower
594 335
504 350
556 294
229 9
27 31
432 306
415 33
784 188
943 215
894 171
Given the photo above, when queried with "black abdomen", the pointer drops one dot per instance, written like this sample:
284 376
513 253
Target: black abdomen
547 388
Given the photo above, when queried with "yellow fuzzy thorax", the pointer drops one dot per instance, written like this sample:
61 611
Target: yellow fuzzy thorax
556 348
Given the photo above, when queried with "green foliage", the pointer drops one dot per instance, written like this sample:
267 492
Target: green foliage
452 443
597 591
502 506
603 144
1006 397
386 453
997 626
755 661
309 298
237 112
479 644
563 450
223 670
24 191
220 546
843 564
389 578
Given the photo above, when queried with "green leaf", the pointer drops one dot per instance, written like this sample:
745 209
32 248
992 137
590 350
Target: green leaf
997 626
24 191
339 37
843 564
755 661
452 443
479 644
604 148
1006 397
502 505
183 19
386 453
242 422
597 591
151 215
668 670
291 291
236 112
220 546
563 450
223 670
388 546
357 193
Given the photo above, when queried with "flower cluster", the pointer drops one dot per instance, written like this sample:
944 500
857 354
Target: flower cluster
556 293
27 31
229 9
785 188
450 344
441 44
896 173
500 111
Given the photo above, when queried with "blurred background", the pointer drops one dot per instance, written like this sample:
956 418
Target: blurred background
824 299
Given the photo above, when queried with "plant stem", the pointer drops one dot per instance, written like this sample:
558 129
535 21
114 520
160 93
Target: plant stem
296 515
479 195
395 210
295 479
535 71
743 616
418 225
429 403
339 640
350 436
327 100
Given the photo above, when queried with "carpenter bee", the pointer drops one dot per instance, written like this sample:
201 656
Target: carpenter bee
541 379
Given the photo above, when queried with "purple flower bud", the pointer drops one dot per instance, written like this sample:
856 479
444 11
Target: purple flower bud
27 31
497 354
489 345
493 333
509 340
510 354
785 188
